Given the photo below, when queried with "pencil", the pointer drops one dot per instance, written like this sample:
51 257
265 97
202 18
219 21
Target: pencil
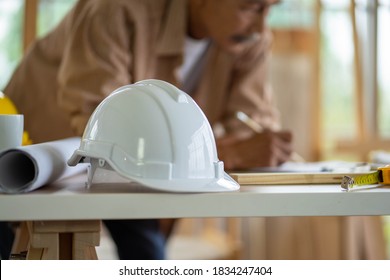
256 127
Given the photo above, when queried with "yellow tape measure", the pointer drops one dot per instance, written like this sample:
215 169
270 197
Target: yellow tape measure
381 176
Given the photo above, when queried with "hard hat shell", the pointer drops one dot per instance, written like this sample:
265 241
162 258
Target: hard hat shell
155 134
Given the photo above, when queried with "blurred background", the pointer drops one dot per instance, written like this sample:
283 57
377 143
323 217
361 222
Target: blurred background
327 69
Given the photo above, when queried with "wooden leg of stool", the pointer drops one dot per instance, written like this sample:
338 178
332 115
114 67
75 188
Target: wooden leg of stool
34 253
84 245
49 242
91 253
45 245
21 239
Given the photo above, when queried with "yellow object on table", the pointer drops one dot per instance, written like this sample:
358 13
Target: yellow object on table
8 108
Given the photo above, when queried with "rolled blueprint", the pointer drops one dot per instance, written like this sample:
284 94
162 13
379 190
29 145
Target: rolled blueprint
27 168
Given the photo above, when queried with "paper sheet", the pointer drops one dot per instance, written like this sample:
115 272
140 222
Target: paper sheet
27 168
380 157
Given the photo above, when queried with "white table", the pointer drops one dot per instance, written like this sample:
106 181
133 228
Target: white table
70 200
68 208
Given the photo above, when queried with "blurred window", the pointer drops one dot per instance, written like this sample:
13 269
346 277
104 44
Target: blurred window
50 12
345 126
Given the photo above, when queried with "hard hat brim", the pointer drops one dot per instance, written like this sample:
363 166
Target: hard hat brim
224 184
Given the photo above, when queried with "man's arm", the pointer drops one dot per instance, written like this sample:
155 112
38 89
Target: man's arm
242 147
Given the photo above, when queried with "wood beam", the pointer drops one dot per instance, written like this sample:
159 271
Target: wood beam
29 23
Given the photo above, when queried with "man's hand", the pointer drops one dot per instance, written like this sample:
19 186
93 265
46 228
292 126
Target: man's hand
258 150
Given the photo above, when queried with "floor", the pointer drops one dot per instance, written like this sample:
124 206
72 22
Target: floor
179 247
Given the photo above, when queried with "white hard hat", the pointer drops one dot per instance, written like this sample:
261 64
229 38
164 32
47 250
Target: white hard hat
155 134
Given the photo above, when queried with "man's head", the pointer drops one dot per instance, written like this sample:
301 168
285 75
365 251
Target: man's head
230 23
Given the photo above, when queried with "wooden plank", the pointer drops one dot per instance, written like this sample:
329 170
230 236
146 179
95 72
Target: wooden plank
29 23
49 242
84 245
316 128
35 253
21 239
67 226
359 91
290 178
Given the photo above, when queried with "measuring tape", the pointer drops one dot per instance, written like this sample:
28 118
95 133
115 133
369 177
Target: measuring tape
381 176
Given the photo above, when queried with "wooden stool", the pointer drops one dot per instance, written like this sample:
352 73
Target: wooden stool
58 240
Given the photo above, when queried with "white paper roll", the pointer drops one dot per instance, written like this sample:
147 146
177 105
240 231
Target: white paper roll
27 168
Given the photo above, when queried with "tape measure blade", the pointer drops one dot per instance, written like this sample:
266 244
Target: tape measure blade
372 178
351 182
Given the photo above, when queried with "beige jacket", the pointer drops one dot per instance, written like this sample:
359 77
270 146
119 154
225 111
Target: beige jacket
102 45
